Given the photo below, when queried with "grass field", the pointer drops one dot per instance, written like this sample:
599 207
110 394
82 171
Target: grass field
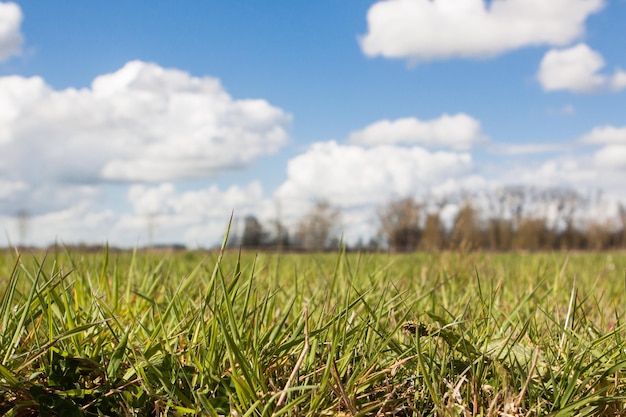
196 333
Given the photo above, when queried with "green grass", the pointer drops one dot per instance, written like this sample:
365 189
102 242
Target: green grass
331 334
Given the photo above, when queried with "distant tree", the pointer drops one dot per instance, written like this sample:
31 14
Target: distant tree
279 237
505 213
599 236
567 203
253 234
466 232
434 235
622 220
500 234
279 234
317 229
400 224
533 234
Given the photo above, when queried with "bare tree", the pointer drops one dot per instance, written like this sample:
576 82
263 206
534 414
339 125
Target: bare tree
253 234
505 214
500 233
533 234
568 202
622 220
522 218
434 236
400 224
466 233
278 236
599 235
317 229
279 233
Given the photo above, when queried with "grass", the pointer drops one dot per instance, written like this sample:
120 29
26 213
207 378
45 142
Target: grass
449 334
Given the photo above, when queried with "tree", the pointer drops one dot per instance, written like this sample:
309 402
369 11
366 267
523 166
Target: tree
599 236
567 202
253 234
500 234
505 214
533 234
399 224
279 236
434 235
466 233
317 229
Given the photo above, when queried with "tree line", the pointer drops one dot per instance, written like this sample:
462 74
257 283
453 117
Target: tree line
512 218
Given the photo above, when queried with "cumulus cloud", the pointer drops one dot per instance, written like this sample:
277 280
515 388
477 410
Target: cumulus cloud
46 197
197 217
196 205
605 135
140 123
76 222
577 69
11 38
601 168
567 109
426 30
8 189
600 171
459 132
158 214
618 80
350 176
526 148
611 157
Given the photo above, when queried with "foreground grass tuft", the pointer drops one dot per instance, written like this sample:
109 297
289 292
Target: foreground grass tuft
352 335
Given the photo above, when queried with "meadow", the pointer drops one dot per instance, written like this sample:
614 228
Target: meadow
345 334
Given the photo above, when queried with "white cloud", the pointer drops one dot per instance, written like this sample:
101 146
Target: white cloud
459 132
197 217
59 150
46 197
350 176
452 186
552 173
159 214
602 170
577 69
140 123
11 38
8 189
79 222
618 80
605 135
196 205
526 148
611 157
566 110
425 30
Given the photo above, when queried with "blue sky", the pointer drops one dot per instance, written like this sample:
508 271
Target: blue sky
264 107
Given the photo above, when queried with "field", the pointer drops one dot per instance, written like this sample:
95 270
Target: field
232 334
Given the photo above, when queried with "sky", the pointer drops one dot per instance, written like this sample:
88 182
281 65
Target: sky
130 123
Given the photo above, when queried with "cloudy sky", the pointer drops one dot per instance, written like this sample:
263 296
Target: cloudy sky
130 121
